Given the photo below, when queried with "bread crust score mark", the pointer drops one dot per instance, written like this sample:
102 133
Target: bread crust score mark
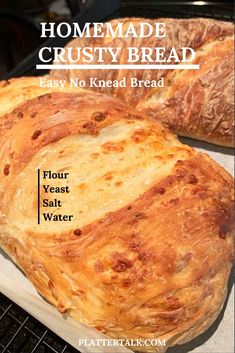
157 264
197 104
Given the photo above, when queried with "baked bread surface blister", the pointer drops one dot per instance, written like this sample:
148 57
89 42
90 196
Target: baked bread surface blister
149 250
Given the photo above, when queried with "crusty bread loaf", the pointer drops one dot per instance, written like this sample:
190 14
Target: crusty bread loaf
18 90
198 104
149 249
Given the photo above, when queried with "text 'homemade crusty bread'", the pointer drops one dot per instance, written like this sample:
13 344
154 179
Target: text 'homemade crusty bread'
149 251
193 103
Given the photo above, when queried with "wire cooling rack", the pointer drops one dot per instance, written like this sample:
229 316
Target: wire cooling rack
188 11
21 333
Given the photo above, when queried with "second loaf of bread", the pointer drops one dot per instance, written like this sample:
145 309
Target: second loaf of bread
193 103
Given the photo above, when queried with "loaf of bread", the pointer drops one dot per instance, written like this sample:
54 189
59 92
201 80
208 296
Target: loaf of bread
148 250
18 90
193 103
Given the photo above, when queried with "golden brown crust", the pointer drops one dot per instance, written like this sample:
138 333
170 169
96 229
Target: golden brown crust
203 109
201 104
158 264
15 91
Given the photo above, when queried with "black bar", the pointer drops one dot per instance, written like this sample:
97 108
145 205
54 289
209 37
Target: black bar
38 196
